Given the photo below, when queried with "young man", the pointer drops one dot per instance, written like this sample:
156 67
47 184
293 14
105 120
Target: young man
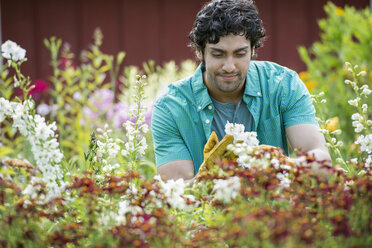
228 86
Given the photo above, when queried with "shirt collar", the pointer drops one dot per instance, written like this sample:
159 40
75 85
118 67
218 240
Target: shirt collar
252 82
200 90
252 86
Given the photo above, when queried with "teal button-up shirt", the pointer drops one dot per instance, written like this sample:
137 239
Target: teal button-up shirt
182 117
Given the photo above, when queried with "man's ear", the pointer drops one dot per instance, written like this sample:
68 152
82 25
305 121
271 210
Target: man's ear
253 53
199 54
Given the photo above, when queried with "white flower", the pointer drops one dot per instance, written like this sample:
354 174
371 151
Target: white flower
237 130
364 108
362 73
367 164
283 178
354 102
44 145
175 193
76 96
10 50
359 128
357 117
365 90
226 190
365 143
43 109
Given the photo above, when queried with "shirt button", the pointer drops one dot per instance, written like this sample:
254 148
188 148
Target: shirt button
207 121
210 107
199 107
258 93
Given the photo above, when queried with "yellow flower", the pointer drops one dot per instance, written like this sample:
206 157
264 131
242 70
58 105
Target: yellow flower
339 11
333 124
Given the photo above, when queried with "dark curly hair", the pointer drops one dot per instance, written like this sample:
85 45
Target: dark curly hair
223 17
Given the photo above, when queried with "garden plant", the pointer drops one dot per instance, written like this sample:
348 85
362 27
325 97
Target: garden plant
77 170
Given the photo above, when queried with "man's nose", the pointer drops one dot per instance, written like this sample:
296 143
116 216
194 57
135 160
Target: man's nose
229 65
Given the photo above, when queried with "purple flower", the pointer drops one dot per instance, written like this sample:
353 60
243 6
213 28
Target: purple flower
102 99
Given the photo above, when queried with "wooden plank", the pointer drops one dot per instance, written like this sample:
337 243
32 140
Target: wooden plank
141 31
60 19
103 15
176 26
266 10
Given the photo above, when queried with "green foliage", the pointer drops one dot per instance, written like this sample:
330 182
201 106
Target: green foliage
345 36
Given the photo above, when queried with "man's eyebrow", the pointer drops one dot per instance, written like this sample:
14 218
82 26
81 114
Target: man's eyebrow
222 51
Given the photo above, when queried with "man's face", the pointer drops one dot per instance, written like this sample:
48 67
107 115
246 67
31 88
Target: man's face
226 65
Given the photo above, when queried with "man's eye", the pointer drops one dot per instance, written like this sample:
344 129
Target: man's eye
217 55
241 54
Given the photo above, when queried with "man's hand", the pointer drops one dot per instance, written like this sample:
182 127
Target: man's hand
214 149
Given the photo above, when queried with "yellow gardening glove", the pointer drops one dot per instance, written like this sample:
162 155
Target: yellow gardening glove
214 149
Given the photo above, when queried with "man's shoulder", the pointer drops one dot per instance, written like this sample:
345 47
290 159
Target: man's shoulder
175 91
270 67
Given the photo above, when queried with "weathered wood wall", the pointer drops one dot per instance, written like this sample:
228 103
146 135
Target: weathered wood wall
149 29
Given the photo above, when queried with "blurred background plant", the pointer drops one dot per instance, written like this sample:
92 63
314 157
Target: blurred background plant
345 36
87 94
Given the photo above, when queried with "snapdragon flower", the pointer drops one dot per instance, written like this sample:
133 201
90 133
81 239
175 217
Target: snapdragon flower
107 149
43 141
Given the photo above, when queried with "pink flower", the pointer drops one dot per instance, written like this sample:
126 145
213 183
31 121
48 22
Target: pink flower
40 87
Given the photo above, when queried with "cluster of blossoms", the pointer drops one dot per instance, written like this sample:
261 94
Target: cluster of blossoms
42 137
12 51
43 141
238 131
226 190
136 143
175 194
107 149
361 123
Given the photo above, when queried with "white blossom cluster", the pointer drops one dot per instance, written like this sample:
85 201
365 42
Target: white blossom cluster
12 51
243 145
226 190
108 149
237 130
43 141
134 130
171 192
365 142
357 122
175 193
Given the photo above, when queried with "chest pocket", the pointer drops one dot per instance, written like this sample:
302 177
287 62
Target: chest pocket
271 132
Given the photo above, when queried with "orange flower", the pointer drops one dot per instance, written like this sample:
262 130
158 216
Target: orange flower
311 84
305 77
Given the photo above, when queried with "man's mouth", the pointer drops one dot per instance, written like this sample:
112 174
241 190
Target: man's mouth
229 77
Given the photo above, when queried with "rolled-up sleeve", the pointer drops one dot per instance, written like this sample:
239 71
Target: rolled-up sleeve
297 107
